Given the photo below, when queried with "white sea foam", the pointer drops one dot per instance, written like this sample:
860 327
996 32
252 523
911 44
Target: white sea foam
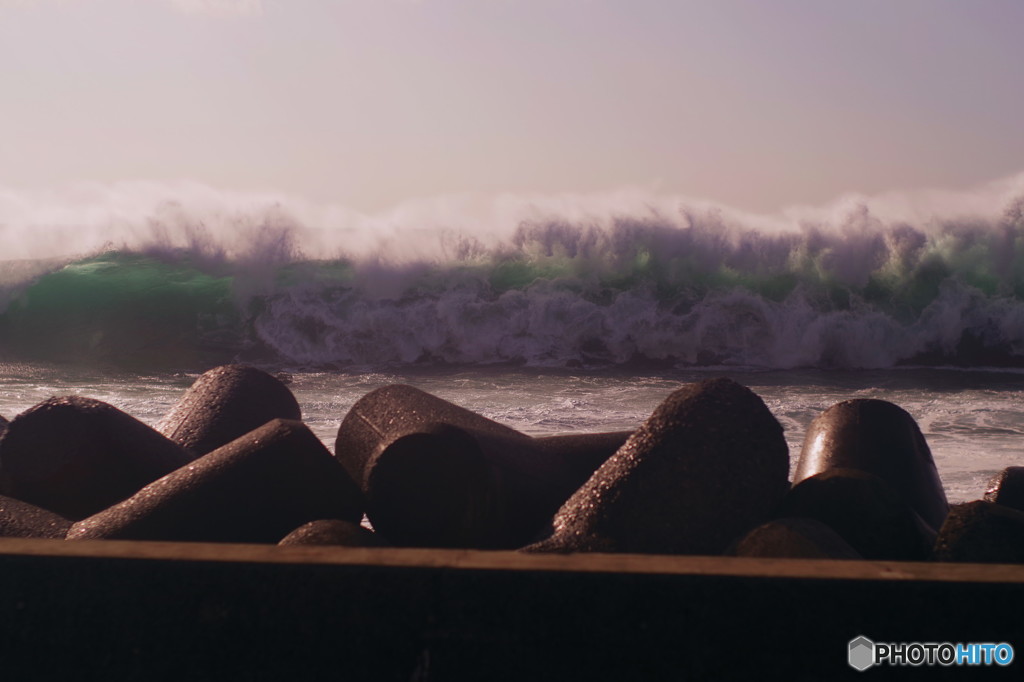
83 218
550 280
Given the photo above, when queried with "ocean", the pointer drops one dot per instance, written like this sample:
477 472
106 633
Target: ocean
550 316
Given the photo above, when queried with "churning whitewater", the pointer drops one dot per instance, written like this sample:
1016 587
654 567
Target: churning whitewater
127 275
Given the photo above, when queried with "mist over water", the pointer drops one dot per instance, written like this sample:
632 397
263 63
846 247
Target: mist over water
185 275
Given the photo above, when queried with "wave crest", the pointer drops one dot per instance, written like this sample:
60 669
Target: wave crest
691 286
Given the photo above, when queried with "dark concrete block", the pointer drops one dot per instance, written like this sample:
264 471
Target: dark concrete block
76 456
865 511
401 409
981 532
707 466
794 538
257 488
438 475
22 520
333 532
225 403
1007 488
880 438
582 453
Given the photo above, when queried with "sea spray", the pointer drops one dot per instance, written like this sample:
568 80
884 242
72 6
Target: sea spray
595 282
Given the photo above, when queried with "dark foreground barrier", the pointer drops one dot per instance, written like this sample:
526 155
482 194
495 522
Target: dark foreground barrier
171 611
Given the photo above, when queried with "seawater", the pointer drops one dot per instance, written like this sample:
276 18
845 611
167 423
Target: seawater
550 314
973 420
672 284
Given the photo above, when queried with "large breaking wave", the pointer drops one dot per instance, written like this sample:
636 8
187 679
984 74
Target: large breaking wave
586 283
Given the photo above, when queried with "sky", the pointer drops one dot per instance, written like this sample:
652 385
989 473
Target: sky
368 103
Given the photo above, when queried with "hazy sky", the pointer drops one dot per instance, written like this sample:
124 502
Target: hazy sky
754 103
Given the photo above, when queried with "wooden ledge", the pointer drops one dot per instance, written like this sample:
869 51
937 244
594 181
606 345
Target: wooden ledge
639 564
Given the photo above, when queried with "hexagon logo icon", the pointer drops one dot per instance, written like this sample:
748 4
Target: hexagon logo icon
862 653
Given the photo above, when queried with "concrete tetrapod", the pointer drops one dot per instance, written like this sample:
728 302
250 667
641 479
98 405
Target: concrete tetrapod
880 438
707 466
865 511
794 538
981 532
438 475
257 488
23 520
332 532
584 453
224 403
76 456
1007 488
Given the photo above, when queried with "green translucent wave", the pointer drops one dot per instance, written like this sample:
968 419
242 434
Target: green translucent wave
119 307
179 309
